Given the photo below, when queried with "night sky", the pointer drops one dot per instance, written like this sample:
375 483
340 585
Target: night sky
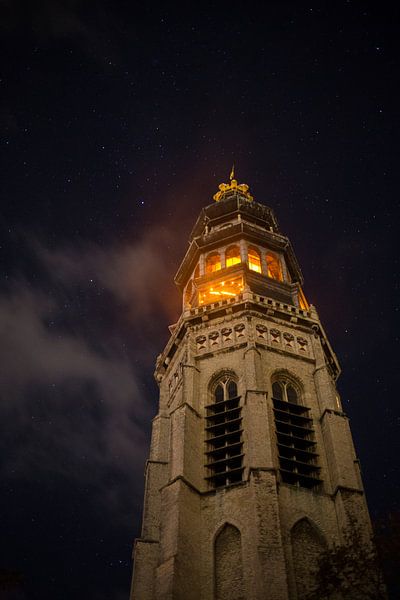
117 123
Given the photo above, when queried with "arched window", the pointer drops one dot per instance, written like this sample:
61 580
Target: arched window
225 390
254 260
277 391
295 435
284 390
219 393
224 435
196 271
274 269
213 262
232 256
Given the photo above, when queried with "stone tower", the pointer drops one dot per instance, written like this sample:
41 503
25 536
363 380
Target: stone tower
252 470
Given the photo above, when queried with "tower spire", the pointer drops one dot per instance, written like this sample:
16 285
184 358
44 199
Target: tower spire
233 185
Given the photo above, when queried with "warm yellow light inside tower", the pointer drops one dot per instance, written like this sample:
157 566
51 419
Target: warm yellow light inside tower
220 290
232 256
274 269
254 260
302 300
213 263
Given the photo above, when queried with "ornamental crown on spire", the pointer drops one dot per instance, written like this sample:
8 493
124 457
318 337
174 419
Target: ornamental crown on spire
224 188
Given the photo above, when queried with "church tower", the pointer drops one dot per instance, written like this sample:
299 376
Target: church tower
252 471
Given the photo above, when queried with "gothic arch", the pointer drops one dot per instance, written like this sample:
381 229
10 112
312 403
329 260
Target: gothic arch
307 544
286 374
223 431
220 374
228 563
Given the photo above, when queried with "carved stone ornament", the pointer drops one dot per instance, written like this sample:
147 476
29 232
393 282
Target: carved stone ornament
239 327
214 335
261 329
288 337
276 334
226 331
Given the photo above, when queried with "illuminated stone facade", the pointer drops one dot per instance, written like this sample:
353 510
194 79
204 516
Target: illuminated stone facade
252 470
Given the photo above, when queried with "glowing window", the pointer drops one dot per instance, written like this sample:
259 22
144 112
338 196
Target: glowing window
213 263
274 269
254 260
232 256
220 290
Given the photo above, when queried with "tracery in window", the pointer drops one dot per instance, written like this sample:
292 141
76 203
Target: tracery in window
232 256
224 454
254 260
283 390
213 262
274 269
295 436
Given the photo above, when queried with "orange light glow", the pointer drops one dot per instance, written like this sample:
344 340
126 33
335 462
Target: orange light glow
213 263
232 256
302 300
254 260
274 269
220 290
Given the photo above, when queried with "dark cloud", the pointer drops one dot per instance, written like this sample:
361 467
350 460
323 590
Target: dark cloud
138 275
74 397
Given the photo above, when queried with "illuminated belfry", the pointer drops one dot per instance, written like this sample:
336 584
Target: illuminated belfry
252 470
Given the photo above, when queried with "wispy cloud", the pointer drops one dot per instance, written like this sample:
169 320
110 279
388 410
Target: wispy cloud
70 393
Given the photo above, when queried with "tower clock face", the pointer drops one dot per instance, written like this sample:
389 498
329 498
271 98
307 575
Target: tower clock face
222 289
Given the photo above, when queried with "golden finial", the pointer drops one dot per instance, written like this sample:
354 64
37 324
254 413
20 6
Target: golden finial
233 185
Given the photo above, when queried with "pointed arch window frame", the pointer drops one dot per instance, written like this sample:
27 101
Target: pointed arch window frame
295 436
223 428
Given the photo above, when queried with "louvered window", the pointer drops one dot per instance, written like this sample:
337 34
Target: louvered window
224 452
298 458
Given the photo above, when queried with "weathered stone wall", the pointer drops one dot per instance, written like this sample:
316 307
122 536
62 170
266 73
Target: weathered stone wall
277 545
228 564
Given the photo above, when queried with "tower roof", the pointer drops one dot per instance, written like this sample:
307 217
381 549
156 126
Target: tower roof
233 185
235 215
